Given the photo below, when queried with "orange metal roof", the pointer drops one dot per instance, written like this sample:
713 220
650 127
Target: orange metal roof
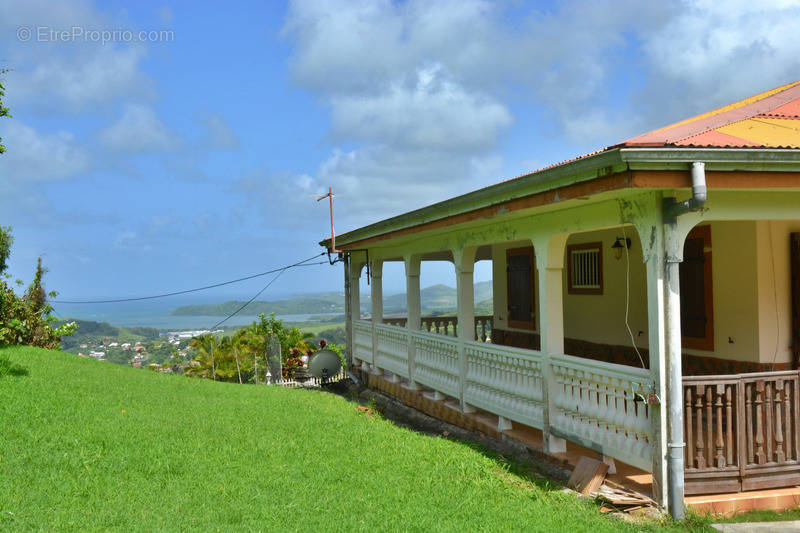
767 120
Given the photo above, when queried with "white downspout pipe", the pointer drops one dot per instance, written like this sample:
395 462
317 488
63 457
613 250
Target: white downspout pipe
673 210
672 311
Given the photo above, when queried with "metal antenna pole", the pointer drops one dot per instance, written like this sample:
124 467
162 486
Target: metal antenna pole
329 196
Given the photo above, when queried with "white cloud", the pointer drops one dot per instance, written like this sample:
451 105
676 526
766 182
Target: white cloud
70 76
400 73
714 53
73 82
433 112
404 91
33 156
369 184
139 130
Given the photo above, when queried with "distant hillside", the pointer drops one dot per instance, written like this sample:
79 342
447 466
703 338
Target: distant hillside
436 298
90 331
326 302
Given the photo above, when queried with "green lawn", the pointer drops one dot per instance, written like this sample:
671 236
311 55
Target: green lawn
86 445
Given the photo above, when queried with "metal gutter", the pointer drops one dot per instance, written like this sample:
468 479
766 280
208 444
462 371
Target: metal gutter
610 161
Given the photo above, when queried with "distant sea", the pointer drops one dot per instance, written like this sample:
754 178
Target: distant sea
156 314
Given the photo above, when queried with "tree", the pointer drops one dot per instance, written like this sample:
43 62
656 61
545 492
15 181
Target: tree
27 320
203 346
6 240
3 113
236 358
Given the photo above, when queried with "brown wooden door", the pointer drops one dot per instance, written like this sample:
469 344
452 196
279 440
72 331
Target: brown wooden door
521 282
697 301
795 273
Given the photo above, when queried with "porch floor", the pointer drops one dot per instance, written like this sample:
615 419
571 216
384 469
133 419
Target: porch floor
626 475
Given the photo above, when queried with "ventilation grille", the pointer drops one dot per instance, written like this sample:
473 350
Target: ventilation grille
586 272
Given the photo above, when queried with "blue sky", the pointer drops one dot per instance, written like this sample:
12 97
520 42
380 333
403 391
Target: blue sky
137 168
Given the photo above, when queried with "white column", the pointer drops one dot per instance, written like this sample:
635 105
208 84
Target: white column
376 296
355 289
464 261
354 303
657 354
413 305
549 250
652 237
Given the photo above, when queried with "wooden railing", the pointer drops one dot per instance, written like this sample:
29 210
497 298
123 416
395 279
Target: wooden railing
741 431
448 325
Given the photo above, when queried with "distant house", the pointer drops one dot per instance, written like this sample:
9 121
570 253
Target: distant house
646 302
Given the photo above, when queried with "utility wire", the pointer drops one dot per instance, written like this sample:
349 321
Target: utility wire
302 263
250 300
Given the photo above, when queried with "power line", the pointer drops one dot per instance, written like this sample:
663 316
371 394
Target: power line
249 301
304 262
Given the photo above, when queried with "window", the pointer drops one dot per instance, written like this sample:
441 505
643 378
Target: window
585 268
521 285
697 305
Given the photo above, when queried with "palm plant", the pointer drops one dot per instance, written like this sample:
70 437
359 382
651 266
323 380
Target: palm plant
204 346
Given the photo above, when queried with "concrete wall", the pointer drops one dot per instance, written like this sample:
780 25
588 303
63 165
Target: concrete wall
733 256
744 306
774 289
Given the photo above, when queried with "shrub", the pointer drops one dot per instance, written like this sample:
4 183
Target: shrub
27 320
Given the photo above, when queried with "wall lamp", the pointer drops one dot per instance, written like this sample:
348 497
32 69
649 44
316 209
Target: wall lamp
618 246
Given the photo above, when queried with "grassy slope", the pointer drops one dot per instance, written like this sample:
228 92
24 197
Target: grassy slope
90 445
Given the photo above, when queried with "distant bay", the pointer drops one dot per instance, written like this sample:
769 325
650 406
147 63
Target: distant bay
158 314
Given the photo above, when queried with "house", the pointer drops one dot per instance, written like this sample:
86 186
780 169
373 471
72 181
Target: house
646 302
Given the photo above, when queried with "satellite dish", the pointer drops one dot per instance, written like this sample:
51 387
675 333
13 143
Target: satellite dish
325 364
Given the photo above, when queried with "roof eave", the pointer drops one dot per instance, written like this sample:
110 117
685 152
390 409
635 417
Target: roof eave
613 160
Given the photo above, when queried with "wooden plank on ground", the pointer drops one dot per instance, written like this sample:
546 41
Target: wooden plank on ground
588 475
618 497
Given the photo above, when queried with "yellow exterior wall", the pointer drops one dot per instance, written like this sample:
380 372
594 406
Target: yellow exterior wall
744 306
733 256
601 318
774 290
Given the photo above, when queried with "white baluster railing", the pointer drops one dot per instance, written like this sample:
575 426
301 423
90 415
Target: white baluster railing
392 353
505 381
595 406
362 340
593 401
436 362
